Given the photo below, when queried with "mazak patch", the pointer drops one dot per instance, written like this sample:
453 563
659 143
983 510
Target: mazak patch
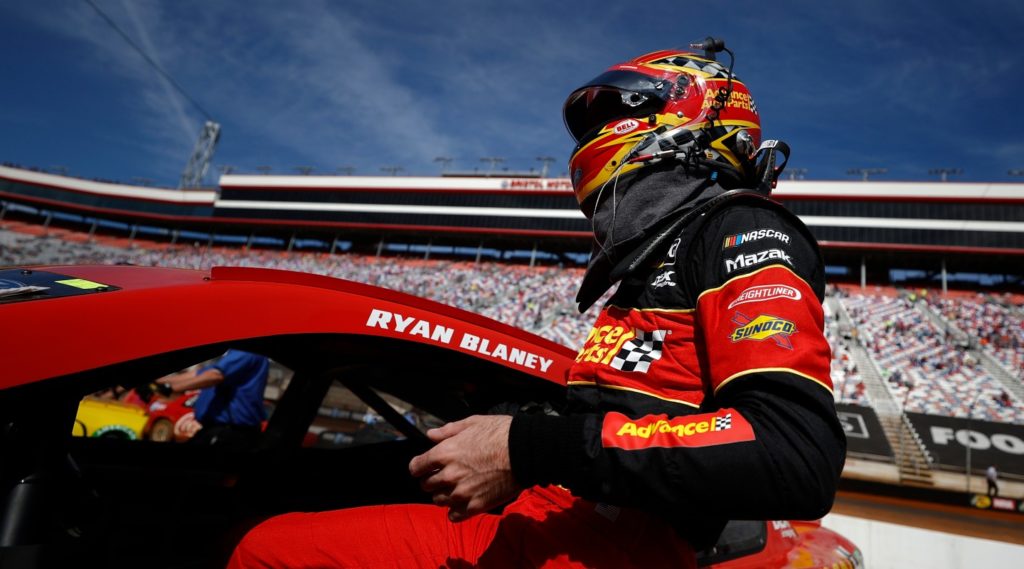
763 327
743 261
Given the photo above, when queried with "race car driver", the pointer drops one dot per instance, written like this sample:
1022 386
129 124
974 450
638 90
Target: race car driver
701 394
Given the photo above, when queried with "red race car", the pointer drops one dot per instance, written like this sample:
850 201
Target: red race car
748 544
171 419
348 414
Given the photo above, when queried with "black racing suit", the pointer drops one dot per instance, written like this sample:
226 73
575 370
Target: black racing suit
703 391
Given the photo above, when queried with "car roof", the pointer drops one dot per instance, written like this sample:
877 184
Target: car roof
92 317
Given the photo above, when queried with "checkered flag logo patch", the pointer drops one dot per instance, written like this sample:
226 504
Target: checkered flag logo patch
723 423
639 353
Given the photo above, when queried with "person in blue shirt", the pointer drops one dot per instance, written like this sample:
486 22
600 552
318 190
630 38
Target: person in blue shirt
230 405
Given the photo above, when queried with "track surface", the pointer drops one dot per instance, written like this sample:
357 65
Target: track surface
985 524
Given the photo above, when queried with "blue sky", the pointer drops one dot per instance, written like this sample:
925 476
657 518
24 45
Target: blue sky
906 85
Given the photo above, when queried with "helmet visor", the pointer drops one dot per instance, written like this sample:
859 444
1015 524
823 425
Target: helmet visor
612 95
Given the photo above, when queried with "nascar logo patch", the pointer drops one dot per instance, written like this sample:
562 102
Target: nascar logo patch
763 327
741 238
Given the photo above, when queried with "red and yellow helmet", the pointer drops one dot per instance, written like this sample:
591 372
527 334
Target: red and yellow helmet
666 93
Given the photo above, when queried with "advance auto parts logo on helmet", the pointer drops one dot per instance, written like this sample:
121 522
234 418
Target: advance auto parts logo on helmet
623 348
763 327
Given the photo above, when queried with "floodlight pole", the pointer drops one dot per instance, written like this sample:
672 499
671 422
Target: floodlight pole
446 162
201 157
545 163
944 173
494 160
866 172
970 416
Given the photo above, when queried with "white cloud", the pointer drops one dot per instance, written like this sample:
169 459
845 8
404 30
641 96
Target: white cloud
162 125
369 83
170 101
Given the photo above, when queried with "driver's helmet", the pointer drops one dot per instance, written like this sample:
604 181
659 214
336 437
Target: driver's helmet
617 112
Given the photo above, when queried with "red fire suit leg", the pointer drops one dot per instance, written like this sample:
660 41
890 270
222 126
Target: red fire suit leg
372 536
543 528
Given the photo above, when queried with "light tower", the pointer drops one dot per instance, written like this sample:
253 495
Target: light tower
864 173
944 173
201 157
546 162
494 160
446 162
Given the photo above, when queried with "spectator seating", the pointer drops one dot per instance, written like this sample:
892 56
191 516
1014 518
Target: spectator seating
923 370
997 328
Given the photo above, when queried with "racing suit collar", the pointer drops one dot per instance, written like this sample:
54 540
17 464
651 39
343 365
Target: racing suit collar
628 218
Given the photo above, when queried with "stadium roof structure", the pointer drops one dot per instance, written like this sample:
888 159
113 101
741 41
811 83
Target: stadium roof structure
974 225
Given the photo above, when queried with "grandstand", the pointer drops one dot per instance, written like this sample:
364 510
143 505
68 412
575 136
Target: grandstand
924 314
943 233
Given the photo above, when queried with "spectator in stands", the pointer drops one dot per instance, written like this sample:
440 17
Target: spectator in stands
897 377
1004 399
230 405
992 478
665 438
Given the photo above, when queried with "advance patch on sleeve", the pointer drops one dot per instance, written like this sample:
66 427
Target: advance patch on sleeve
725 426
